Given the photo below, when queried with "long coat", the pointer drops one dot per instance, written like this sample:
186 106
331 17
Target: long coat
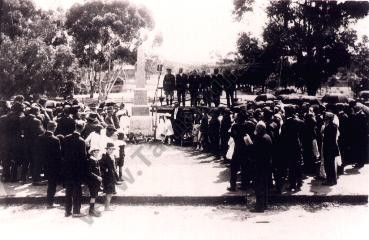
291 140
48 151
181 82
31 128
13 136
217 82
75 166
169 82
108 173
330 149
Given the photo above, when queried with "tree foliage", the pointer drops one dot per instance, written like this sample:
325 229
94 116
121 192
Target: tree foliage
105 32
314 36
34 54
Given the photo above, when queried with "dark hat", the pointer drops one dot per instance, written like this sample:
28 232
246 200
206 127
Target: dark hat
34 109
111 128
17 107
19 98
110 104
92 118
110 145
42 101
92 115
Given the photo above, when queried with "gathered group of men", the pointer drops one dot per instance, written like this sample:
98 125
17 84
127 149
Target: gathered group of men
274 144
204 89
270 144
67 144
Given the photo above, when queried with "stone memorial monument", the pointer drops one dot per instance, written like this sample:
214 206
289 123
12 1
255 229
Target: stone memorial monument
141 121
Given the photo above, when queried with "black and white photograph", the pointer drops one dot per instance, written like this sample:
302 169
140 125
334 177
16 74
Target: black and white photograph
184 119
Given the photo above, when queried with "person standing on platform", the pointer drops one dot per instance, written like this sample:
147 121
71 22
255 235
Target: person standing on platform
181 85
205 88
217 81
169 84
229 86
262 146
194 86
75 169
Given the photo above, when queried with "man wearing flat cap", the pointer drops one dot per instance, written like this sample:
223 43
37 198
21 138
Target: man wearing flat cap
169 84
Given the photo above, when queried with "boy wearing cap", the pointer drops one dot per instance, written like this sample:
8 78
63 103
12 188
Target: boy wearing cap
94 179
108 173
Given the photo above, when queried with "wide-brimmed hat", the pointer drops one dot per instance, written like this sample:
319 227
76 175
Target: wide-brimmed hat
92 118
110 145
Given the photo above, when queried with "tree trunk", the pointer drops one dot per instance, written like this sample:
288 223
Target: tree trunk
92 84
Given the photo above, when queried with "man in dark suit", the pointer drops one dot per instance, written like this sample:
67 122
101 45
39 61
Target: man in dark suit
229 86
217 81
262 147
292 148
205 88
66 124
75 169
13 141
194 86
181 84
169 84
48 152
31 128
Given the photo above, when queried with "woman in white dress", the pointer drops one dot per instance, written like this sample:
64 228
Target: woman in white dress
160 129
168 129
124 123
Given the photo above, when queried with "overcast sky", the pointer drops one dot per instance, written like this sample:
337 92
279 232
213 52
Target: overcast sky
196 30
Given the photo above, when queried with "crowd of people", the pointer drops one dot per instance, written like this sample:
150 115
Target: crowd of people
273 144
269 144
68 144
203 88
